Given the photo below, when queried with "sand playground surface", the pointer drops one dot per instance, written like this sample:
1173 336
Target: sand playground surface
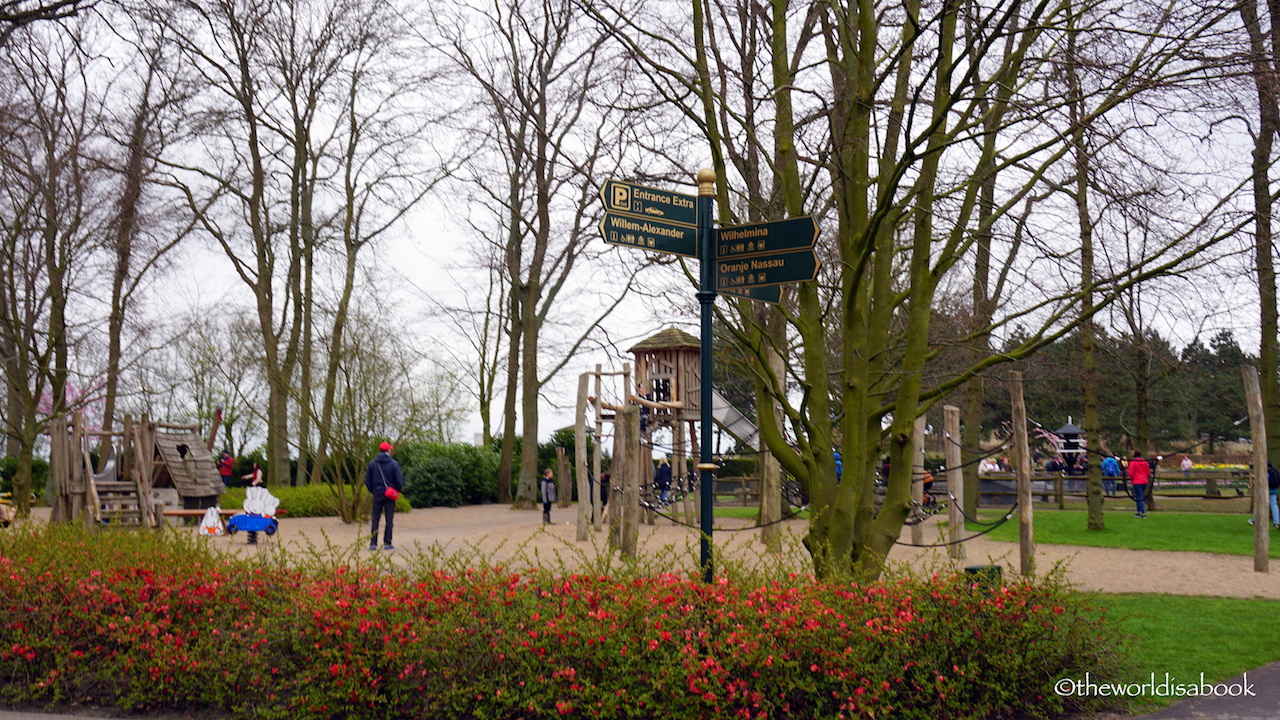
496 533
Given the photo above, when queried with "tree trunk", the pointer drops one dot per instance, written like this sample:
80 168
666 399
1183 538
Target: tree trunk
527 489
1089 390
1265 80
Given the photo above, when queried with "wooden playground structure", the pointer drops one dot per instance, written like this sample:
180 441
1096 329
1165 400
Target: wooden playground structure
665 393
146 470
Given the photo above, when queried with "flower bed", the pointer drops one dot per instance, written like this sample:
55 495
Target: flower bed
156 621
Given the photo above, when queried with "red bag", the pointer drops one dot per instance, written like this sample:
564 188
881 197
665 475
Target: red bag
392 494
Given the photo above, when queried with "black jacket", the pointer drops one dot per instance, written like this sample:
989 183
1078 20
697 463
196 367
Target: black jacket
383 472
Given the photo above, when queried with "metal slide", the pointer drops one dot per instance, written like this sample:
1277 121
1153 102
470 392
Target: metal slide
734 422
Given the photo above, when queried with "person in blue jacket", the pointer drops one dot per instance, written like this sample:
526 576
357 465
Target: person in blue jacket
382 475
839 466
662 481
1110 471
1273 488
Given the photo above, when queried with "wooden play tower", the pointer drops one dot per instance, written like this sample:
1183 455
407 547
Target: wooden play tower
668 375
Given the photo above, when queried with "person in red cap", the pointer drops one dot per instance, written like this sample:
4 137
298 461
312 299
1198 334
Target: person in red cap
385 481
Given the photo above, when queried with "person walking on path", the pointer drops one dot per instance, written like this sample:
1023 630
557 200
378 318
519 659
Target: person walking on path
662 481
385 481
548 495
1110 471
1139 477
1186 466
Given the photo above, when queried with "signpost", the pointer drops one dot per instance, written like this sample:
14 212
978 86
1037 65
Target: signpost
646 202
769 293
649 235
746 261
771 269
773 253
650 219
769 237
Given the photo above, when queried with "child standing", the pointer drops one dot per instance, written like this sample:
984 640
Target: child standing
548 495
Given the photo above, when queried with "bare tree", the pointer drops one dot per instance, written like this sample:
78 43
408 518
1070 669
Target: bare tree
305 134
16 14
51 214
538 75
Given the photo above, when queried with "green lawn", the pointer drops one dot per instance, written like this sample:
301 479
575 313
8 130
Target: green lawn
1185 636
1198 532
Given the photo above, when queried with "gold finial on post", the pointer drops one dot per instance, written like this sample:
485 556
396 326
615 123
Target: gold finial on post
707 182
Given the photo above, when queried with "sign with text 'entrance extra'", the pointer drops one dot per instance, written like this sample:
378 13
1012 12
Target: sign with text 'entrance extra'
650 219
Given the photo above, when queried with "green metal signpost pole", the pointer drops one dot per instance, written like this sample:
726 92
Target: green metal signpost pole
706 298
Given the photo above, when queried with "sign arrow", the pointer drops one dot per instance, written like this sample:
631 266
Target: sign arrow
769 269
652 235
649 203
769 293
737 241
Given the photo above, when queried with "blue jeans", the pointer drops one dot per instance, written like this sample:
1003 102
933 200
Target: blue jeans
1140 494
1109 485
1275 508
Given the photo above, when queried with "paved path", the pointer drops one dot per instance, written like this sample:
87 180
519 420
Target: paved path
1263 704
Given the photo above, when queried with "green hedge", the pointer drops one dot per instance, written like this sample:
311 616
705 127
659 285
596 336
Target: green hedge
305 500
449 474
39 474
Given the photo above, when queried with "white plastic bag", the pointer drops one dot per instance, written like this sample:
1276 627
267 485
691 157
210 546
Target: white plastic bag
212 522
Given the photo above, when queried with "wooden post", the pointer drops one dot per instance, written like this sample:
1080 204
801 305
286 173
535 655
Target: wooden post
1261 506
586 490
618 487
771 474
125 458
695 498
564 479
213 430
71 454
627 429
597 508
955 482
917 477
57 470
1026 542
647 491
679 468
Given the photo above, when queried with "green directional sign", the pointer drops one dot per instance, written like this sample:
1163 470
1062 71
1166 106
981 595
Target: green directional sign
649 234
770 237
770 269
769 293
649 203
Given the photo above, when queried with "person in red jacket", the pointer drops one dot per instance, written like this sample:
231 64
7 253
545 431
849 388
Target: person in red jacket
1139 476
226 467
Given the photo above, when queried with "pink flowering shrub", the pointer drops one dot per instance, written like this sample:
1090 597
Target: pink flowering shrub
147 621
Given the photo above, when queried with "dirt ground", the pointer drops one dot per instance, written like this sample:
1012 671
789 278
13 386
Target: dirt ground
497 533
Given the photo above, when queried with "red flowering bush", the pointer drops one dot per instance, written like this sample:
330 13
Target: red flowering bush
147 621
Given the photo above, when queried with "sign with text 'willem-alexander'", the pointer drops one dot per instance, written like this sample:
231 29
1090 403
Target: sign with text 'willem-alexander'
648 218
